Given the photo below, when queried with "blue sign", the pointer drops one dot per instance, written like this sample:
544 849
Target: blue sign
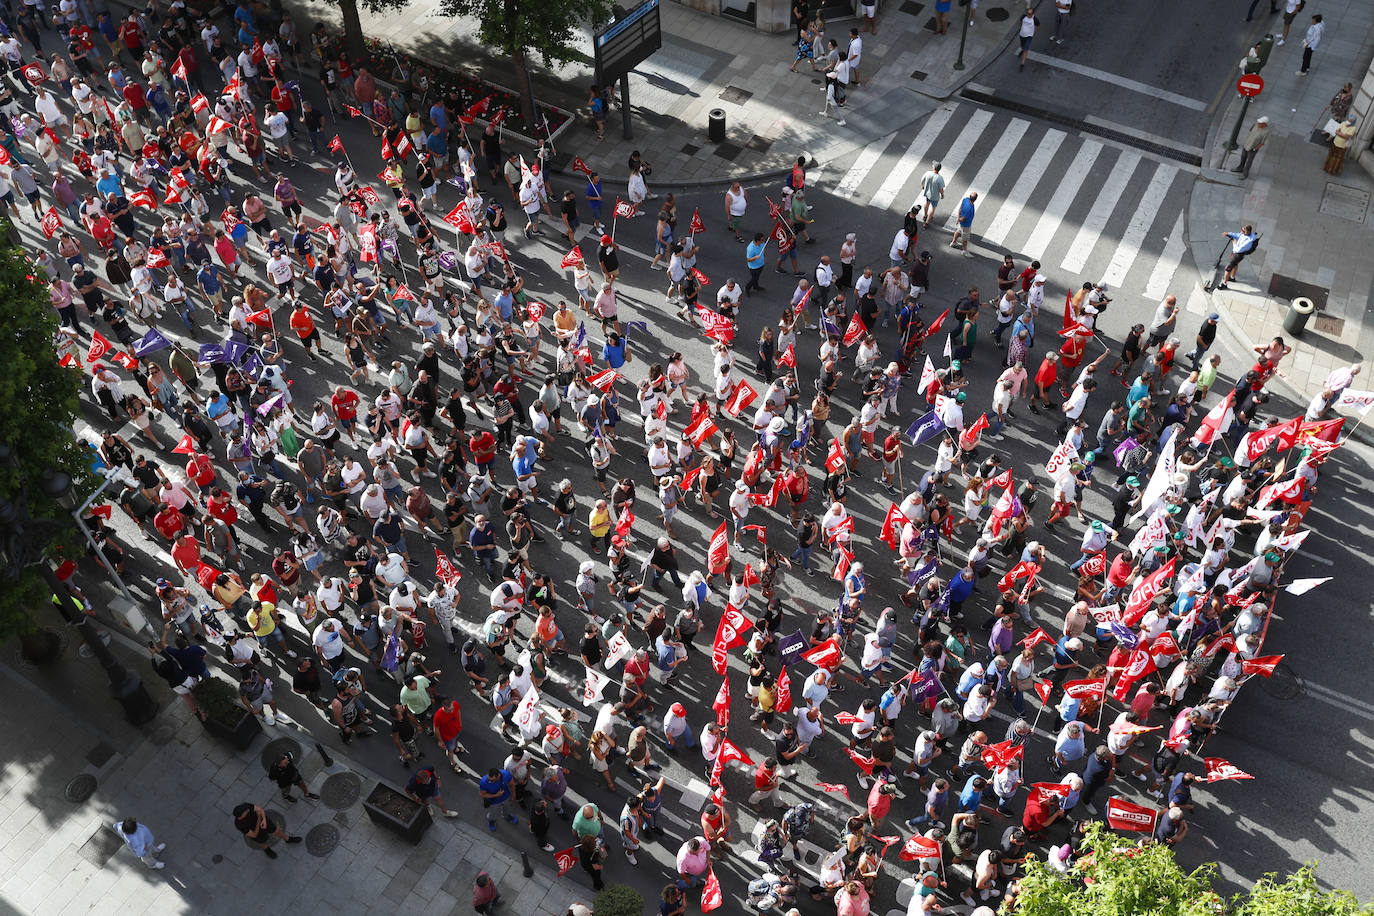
791 647
925 429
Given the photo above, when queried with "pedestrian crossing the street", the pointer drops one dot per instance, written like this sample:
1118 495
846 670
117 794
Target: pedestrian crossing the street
1086 209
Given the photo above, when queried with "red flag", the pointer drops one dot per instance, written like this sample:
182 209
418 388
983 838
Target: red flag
1226 643
1003 479
1021 570
827 655
835 787
52 222
124 359
104 511
579 166
935 325
701 430
842 565
173 195
604 379
388 153
1043 689
1047 790
774 494
535 310
572 258
702 279
1289 491
847 718
1076 330
919 847
722 703
743 395
404 147
718 554
34 73
566 860
206 575
143 198
783 702
186 446
625 522
217 125
789 357
696 225
1037 636
1139 665
262 318
782 236
716 325
855 332
1144 593
461 219
864 763
199 103
710 893
978 426
354 112
1211 423
835 457
1095 565
475 110
774 211
1164 648
157 258
70 359
1124 815
892 526
99 347
1284 433
800 304
403 292
1263 666
624 208
1218 769
443 568
996 756
730 753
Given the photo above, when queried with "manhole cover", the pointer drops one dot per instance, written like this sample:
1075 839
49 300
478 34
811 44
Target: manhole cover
997 14
163 734
341 791
80 788
735 95
1328 324
216 859
59 641
1284 684
321 840
272 753
1344 201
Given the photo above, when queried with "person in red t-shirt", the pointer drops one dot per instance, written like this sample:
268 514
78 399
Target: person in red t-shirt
767 778
133 94
200 470
222 508
483 448
448 725
303 323
169 522
344 403
186 551
1045 378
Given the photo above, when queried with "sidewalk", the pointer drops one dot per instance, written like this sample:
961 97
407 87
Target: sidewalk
58 853
1317 228
707 62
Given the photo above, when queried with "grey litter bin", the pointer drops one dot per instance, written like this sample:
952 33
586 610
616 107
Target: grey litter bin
715 125
1296 320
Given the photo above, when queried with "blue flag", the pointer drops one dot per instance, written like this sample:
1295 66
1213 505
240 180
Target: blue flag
1123 634
150 343
804 434
252 366
925 429
390 661
923 572
829 327
234 351
210 353
581 337
791 647
641 325
448 261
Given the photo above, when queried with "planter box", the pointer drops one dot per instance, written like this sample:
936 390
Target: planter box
398 812
239 733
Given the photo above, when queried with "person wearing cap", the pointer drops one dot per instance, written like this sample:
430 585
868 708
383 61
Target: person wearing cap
608 256
739 510
1206 336
677 731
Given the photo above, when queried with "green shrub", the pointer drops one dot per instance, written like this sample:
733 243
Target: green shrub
619 900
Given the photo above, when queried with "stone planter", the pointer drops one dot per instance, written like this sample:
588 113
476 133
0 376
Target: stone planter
238 730
397 812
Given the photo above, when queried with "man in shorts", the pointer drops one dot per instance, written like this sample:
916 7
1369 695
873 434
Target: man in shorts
932 191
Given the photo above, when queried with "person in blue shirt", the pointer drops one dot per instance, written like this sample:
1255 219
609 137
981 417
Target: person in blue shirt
482 540
972 795
754 259
613 351
960 588
495 791
1242 244
967 207
937 797
425 787
109 184
505 304
1181 791
593 195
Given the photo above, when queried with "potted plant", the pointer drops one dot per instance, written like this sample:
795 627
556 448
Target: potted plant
398 812
225 716
618 900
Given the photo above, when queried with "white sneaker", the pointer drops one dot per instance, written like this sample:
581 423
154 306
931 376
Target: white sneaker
159 847
158 865
629 857
1279 43
450 814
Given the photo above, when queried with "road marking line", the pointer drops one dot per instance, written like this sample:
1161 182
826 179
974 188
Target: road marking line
1053 214
892 185
849 185
1020 193
994 164
1100 211
963 145
1167 265
1338 699
1141 220
1124 82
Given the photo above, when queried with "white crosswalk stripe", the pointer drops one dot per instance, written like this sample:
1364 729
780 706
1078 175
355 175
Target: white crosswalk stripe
915 154
863 164
994 164
1035 171
959 150
1141 219
1101 211
1167 265
1058 207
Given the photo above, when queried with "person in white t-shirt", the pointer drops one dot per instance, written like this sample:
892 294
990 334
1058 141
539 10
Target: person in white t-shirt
280 272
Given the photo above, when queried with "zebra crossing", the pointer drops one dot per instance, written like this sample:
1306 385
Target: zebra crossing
1083 207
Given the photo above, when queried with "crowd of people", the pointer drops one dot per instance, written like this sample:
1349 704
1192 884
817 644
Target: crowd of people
447 399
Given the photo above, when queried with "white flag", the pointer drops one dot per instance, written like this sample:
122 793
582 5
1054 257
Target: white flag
593 686
1303 586
620 649
949 353
1291 541
1361 401
1159 480
1061 461
526 716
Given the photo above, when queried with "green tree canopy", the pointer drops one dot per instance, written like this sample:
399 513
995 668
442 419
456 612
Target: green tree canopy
38 406
353 29
1297 896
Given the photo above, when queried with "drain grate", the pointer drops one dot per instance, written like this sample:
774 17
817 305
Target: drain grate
735 95
690 149
272 753
101 847
1327 324
1284 684
912 8
1345 202
321 840
80 788
919 74
341 791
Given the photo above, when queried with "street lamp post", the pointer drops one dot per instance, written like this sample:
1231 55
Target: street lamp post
963 33
22 544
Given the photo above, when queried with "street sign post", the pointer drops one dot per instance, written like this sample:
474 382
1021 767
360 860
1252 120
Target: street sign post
1250 85
624 44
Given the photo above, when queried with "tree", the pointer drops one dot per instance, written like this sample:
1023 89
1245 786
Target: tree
39 402
1118 878
549 28
1298 896
353 27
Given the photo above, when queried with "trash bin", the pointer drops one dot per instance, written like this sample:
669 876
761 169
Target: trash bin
1296 320
715 125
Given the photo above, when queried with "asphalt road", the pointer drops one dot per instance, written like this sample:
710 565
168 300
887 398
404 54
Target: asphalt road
1303 751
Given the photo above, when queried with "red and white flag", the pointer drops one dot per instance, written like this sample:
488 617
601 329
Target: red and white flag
579 166
721 704
217 125
743 395
1043 689
996 756
718 554
443 569
593 686
1095 565
1139 665
774 211
1217 420
1047 790
625 522
848 718
1284 434
710 893
716 325
864 763
34 73
199 103
1224 643
1037 636
566 860
789 357
157 258
535 311
891 534
459 218
696 224
835 458
919 847
783 703
99 347
51 223
834 788
475 110
1218 770
1124 815
827 655
1094 688
700 430
855 332
1023 570
143 198
1145 591
572 258
604 379
624 208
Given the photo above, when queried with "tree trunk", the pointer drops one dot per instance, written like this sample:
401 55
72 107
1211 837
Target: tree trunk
522 86
353 28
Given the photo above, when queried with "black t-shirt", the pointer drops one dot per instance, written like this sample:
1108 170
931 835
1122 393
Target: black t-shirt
168 668
591 649
566 503
307 681
784 744
569 209
402 729
608 256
